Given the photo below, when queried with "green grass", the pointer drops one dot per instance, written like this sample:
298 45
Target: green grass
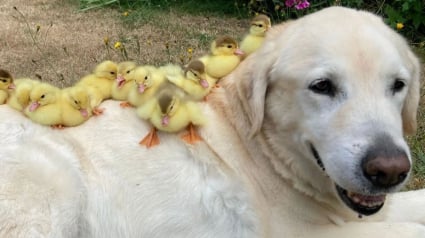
215 7
418 178
193 7
420 162
417 142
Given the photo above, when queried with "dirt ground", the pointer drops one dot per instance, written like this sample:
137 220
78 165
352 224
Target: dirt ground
51 40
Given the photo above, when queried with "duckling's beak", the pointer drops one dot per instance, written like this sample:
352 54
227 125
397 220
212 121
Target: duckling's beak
165 120
33 106
11 86
120 80
239 52
204 83
141 87
84 112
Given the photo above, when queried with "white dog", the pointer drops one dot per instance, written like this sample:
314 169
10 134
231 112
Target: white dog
305 139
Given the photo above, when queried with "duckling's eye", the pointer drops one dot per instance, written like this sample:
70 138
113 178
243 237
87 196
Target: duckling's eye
261 25
42 96
146 77
4 80
229 46
112 73
75 101
128 71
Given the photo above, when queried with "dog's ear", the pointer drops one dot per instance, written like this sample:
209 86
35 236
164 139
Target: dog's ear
252 92
411 103
255 72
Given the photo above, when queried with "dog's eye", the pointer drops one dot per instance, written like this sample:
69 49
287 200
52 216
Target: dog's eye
323 86
398 86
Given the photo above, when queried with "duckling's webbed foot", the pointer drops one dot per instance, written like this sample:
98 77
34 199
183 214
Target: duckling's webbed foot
192 136
58 126
151 139
98 111
125 104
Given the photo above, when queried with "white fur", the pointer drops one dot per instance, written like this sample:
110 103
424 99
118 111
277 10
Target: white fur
253 175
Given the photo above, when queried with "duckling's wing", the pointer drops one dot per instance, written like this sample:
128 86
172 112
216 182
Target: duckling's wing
3 96
146 110
197 117
176 79
204 59
95 96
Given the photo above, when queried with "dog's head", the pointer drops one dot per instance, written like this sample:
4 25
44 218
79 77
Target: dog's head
336 90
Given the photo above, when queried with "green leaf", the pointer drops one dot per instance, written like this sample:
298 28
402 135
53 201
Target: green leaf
417 20
393 15
405 6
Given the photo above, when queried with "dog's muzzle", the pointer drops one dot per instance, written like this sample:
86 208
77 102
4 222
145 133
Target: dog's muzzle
384 166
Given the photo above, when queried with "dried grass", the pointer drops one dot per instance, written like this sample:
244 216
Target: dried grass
72 42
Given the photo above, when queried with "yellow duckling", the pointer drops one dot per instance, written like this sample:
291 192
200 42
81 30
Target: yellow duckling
147 81
6 85
45 105
257 32
19 98
224 58
99 84
193 80
170 112
75 105
123 83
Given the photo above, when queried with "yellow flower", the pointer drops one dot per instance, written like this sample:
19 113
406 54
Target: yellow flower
399 26
117 45
125 13
106 40
189 50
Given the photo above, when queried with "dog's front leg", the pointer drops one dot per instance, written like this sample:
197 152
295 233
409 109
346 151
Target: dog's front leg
367 229
407 207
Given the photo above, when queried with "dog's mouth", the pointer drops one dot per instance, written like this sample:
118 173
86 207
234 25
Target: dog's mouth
360 203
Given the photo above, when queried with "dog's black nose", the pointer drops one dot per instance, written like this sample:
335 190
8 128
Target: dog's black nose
385 164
